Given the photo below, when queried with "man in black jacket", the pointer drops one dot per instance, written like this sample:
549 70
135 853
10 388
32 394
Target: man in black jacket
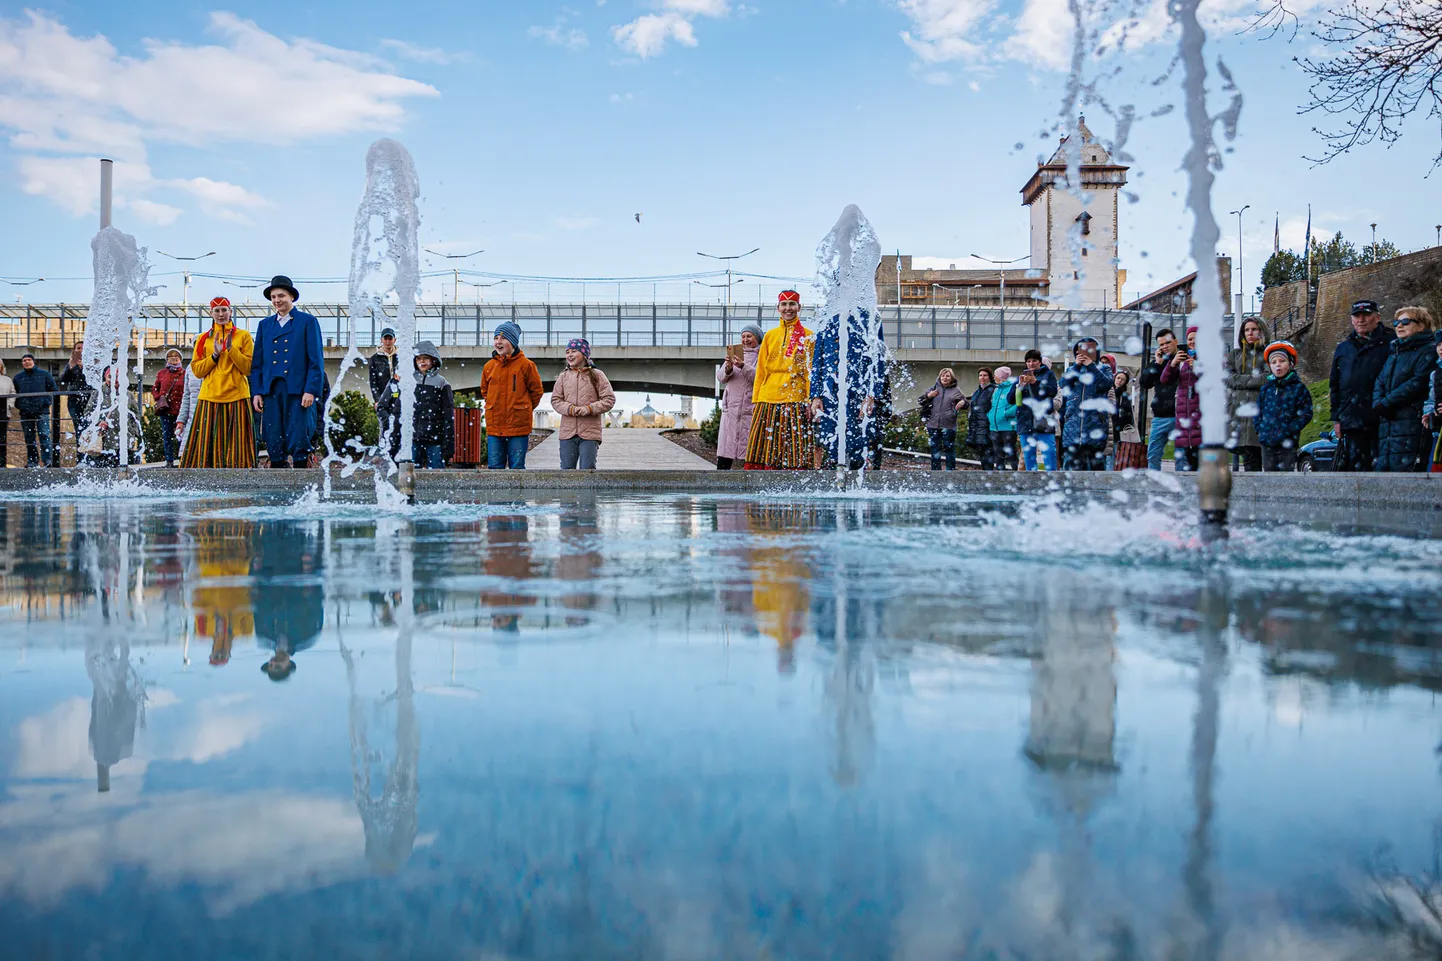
382 374
1164 398
34 392
1355 365
80 393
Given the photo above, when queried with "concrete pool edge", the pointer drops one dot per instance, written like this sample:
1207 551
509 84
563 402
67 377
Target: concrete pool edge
1359 492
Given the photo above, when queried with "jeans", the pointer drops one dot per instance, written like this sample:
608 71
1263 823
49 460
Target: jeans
37 440
1282 458
1084 457
1032 443
1003 449
504 452
432 456
1157 442
578 450
943 444
167 433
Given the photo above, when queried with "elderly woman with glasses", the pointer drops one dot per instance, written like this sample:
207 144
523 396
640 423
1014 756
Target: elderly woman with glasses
1403 442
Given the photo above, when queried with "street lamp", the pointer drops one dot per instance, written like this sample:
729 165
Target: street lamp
727 285
470 283
937 287
729 258
1002 264
1241 288
968 293
454 270
1374 243
185 272
21 283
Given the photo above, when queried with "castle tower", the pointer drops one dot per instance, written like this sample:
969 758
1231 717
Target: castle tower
1059 219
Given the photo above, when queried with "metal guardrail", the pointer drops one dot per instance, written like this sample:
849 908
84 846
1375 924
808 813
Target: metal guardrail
58 326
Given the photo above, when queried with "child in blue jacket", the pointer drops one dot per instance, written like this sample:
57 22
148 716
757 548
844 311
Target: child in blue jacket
1285 409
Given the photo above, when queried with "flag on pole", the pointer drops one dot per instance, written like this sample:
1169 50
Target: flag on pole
1277 234
1307 244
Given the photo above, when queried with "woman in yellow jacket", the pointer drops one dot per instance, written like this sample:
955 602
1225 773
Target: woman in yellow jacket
781 432
222 433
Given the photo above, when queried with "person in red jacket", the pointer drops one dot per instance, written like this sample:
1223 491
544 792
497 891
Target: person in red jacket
168 392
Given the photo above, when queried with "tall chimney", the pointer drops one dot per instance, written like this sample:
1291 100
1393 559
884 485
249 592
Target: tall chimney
107 180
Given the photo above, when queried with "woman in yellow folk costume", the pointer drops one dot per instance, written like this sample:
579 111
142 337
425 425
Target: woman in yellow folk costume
222 434
781 433
221 599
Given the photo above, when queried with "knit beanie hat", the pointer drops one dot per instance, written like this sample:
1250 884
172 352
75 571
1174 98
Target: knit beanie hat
511 331
755 331
577 343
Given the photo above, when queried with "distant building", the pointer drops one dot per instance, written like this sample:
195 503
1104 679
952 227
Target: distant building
649 416
1060 225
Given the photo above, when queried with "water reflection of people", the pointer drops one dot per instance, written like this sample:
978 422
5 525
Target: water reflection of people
508 555
221 601
846 626
286 594
779 577
579 560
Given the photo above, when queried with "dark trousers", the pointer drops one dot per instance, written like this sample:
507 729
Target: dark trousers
724 463
943 447
984 452
1003 449
1250 458
287 426
167 433
37 440
1188 458
1357 450
1084 457
1283 458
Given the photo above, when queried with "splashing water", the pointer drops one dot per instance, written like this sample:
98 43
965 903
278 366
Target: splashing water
845 286
385 259
121 274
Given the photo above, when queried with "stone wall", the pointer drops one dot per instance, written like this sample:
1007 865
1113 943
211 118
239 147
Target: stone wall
1399 282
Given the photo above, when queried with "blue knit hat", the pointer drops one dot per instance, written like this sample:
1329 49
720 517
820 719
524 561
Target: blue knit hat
581 344
511 331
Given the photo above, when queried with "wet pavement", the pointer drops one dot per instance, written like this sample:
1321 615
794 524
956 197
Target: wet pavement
671 726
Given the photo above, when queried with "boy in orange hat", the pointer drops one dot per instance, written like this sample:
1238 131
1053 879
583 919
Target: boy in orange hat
1284 409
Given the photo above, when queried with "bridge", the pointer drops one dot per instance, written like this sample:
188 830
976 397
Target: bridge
660 348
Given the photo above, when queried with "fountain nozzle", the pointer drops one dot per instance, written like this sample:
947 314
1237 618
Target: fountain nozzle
1214 485
406 480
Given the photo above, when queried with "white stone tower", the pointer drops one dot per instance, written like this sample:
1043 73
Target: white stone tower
1060 219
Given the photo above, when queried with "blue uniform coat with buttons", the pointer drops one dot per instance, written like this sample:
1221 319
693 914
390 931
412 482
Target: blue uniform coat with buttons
291 354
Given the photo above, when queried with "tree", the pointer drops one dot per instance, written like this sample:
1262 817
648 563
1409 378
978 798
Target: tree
1283 267
1338 253
1387 66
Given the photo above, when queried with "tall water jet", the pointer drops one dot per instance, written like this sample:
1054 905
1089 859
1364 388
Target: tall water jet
848 371
121 275
1214 474
385 259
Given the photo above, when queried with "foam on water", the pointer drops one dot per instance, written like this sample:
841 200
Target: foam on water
110 489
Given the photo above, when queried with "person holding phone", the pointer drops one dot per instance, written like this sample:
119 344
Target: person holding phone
738 377
1036 420
1181 372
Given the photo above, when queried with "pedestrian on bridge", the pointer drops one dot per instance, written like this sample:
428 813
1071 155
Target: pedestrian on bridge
782 437
582 395
220 431
287 376
738 374
511 388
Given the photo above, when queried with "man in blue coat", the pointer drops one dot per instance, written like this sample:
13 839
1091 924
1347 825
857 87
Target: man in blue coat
287 375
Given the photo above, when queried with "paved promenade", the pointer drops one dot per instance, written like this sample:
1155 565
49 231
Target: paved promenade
624 449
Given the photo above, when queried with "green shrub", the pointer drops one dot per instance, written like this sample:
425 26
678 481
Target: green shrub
351 417
711 426
1321 412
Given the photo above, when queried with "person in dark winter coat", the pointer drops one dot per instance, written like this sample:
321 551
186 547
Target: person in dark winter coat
34 393
1246 373
1432 409
382 369
434 439
1182 372
1087 406
1035 416
978 428
1284 408
946 399
1403 442
79 392
1356 363
1164 398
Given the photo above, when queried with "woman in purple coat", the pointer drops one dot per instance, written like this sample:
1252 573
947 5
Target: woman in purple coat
736 400
1187 435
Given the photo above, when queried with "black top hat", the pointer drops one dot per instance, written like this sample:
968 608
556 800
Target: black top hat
283 282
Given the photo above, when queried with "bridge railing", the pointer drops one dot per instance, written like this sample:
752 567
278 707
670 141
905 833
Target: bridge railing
955 328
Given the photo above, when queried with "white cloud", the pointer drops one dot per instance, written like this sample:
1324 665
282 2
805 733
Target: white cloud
79 97
945 29
648 35
435 55
153 212
558 36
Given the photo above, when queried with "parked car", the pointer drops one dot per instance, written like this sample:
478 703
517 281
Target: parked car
1319 454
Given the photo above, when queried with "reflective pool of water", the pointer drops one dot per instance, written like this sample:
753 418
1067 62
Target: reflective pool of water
706 727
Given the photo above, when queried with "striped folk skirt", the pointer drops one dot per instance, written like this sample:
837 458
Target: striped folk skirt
222 435
781 438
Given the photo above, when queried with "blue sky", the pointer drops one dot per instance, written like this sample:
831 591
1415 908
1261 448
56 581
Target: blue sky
540 129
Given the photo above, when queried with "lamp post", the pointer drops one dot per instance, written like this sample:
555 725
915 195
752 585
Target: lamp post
968 293
1439 235
1241 289
933 296
729 259
1374 243
185 273
454 270
1003 265
493 283
727 285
